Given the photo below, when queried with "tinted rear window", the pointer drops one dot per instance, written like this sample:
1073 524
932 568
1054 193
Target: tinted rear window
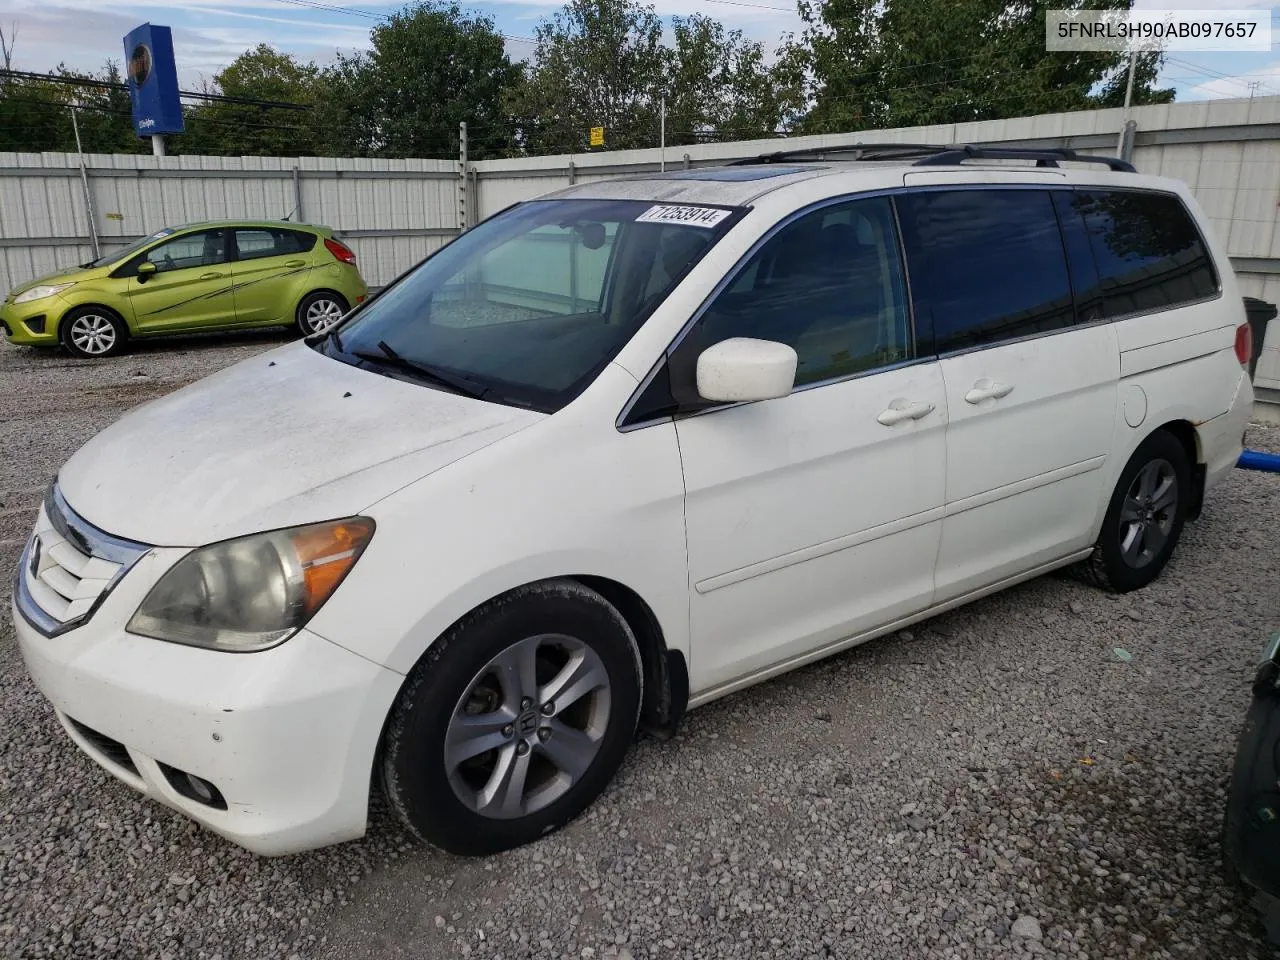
1147 250
985 265
255 242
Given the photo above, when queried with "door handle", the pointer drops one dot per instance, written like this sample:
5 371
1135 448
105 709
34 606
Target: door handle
296 263
900 410
986 389
210 276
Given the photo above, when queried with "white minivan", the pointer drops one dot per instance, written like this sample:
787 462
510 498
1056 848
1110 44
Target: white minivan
617 452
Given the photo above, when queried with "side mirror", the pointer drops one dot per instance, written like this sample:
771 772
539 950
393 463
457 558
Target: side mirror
146 270
742 369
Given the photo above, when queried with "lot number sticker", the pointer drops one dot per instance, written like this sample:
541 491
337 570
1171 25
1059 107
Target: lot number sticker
706 217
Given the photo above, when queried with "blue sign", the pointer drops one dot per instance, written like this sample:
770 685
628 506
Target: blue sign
153 81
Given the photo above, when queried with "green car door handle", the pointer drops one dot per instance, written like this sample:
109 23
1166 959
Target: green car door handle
296 263
210 276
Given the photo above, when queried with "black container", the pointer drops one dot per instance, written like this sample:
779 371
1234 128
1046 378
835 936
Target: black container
1259 313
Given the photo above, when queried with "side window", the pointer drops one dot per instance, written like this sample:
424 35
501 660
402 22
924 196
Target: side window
252 244
202 249
1147 251
986 265
829 285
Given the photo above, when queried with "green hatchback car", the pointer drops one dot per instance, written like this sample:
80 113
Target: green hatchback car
203 276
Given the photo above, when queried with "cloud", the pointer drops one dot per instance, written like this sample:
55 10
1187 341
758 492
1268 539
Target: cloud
1267 80
213 6
84 35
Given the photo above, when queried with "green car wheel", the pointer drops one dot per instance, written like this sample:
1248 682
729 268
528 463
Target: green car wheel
92 332
320 311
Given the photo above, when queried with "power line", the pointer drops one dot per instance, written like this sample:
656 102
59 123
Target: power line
95 83
109 111
757 6
315 5
1218 75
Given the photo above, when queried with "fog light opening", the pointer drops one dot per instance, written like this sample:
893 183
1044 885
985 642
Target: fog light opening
194 788
201 789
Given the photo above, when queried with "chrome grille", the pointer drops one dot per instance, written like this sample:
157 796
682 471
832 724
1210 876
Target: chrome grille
68 567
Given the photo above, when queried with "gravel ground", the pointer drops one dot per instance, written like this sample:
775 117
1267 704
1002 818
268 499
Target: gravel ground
997 783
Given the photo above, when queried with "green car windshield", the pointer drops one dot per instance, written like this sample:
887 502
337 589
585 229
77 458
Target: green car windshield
528 307
115 256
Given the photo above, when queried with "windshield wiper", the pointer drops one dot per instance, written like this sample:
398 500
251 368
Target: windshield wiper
389 358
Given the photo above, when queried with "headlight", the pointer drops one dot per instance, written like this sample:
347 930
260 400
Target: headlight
39 293
254 592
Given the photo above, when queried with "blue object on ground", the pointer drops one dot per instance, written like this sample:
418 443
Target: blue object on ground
1255 460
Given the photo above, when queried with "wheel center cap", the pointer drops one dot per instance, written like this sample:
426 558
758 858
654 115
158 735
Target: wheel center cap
527 723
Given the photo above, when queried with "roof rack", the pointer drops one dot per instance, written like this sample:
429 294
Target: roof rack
1044 157
859 151
933 155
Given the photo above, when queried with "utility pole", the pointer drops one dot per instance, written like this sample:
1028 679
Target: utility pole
1128 99
662 141
84 180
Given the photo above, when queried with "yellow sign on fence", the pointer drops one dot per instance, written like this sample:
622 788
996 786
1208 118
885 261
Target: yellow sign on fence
597 136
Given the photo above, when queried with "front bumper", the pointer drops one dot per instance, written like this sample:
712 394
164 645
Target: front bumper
33 324
287 736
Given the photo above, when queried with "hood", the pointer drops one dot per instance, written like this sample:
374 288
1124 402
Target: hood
285 438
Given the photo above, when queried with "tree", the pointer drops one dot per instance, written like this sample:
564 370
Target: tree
900 63
430 68
35 114
238 129
599 63
719 87
603 63
105 115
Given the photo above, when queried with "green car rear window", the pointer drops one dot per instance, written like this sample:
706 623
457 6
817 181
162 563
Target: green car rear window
253 243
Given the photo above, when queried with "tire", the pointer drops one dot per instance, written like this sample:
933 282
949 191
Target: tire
1145 508
475 764
319 311
92 333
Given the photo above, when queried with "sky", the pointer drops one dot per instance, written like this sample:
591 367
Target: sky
209 34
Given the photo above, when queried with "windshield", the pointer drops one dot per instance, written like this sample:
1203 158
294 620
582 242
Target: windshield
529 306
124 253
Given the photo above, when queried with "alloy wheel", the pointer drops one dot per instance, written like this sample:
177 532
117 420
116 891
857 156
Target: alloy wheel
528 727
323 314
1148 513
93 334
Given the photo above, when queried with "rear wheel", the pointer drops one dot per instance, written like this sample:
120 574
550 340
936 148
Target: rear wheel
514 721
92 332
1145 517
319 311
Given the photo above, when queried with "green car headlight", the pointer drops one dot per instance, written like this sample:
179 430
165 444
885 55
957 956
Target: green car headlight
39 293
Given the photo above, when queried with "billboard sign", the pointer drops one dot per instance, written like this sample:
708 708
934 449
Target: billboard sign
153 81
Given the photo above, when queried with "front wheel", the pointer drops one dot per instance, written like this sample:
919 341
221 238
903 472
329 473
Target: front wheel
515 720
319 311
1145 517
91 333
